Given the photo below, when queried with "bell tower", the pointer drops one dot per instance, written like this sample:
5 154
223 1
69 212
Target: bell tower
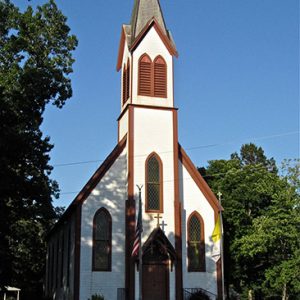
145 58
149 120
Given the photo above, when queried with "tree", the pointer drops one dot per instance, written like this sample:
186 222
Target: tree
250 185
276 237
35 63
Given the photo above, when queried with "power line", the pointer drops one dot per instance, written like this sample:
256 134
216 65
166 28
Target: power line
231 171
188 149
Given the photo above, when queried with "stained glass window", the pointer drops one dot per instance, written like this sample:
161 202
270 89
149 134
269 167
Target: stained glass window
102 241
154 184
196 246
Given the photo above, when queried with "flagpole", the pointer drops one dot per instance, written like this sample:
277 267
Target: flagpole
221 246
140 242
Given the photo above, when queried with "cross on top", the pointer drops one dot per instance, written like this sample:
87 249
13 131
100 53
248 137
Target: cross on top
158 217
163 224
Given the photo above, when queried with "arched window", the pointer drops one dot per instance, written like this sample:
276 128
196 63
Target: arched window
154 186
160 77
196 245
102 241
145 76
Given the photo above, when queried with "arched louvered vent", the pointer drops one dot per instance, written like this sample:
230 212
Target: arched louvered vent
160 78
124 85
127 80
144 87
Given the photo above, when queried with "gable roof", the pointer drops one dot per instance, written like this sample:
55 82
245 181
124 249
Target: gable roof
145 14
165 39
157 236
143 11
92 183
198 179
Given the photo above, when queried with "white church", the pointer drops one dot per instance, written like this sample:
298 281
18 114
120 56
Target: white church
90 247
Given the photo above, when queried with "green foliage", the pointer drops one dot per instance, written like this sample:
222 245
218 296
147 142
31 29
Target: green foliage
261 222
35 61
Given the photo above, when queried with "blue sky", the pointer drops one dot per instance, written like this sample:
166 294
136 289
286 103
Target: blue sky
236 81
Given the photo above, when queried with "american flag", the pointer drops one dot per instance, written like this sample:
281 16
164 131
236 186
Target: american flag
138 232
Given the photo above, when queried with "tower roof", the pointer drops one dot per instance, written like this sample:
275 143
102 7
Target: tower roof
146 13
143 12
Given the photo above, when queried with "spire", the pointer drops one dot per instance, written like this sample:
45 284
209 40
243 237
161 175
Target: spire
143 12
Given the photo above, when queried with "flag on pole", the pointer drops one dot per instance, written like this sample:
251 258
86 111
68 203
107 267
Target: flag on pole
138 233
216 237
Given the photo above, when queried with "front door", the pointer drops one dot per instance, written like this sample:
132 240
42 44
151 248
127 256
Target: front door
155 281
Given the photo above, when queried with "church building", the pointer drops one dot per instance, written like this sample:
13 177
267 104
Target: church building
90 249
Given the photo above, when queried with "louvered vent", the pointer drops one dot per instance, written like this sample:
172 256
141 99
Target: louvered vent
160 78
127 81
145 76
124 85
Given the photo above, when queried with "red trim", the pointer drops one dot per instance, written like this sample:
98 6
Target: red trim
94 269
161 202
145 106
91 184
201 183
177 212
130 210
77 253
121 49
131 79
209 195
130 153
141 75
173 96
202 267
161 34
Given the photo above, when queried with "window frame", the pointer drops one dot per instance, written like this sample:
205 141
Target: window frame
94 268
166 77
140 93
201 246
152 92
160 210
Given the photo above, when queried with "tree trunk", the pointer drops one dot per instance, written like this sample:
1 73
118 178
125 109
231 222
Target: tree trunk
284 293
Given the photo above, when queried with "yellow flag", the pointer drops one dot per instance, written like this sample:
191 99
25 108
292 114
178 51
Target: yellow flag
216 237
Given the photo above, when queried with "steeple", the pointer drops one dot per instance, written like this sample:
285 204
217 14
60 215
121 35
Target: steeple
143 12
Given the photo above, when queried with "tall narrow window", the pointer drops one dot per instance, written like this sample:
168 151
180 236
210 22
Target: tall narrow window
154 187
160 77
102 241
196 245
145 74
